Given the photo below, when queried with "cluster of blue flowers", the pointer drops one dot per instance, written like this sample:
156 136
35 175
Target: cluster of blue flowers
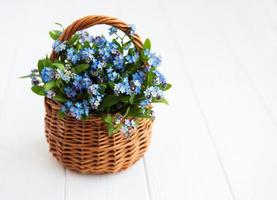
65 75
72 55
34 77
96 97
159 79
112 74
150 93
127 87
93 70
128 126
76 109
153 92
58 46
47 74
81 84
50 94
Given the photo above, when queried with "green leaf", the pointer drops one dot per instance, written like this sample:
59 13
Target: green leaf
117 128
140 98
61 115
163 100
111 84
109 122
78 46
58 65
58 61
143 57
147 44
59 84
146 47
138 112
38 90
125 99
110 100
86 44
49 85
46 63
54 34
167 87
80 68
40 65
60 98
108 119
110 129
126 44
132 99
118 45
103 85
149 78
73 39
134 111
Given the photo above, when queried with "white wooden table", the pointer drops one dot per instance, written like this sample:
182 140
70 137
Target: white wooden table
216 141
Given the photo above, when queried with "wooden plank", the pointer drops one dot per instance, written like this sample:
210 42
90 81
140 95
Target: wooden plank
27 171
181 162
254 45
240 125
129 184
7 52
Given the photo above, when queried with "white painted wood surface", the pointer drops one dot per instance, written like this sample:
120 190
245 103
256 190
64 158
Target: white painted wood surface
217 139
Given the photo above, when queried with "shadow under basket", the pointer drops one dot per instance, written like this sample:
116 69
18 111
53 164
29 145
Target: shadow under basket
85 146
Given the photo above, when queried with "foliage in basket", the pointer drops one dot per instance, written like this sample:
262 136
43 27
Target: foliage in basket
105 76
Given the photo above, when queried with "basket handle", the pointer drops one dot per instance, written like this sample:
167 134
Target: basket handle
92 20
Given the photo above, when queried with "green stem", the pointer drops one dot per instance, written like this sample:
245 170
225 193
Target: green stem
127 112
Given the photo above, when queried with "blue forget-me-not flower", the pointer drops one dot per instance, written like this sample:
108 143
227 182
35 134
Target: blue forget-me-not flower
47 74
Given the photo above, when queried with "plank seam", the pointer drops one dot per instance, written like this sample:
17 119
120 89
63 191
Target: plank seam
212 139
146 176
259 96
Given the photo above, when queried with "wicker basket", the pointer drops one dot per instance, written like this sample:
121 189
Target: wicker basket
84 145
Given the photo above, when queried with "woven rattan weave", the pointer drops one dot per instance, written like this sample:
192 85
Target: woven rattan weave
84 145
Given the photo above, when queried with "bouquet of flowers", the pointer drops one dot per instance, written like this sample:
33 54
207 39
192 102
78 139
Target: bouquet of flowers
98 75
